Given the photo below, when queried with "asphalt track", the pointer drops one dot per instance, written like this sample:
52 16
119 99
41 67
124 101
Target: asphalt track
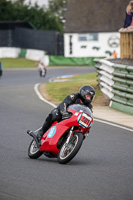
102 170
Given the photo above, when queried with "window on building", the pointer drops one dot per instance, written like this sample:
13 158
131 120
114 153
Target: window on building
88 37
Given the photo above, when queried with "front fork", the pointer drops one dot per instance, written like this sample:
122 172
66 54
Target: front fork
69 135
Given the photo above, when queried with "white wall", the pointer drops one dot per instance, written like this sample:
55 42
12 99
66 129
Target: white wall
33 54
9 52
108 41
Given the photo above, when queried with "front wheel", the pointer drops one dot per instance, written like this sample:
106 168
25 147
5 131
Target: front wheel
68 151
33 151
45 72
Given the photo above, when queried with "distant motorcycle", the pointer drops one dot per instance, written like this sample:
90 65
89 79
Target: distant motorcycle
1 71
42 70
64 139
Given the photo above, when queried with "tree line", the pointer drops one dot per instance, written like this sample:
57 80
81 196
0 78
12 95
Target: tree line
40 17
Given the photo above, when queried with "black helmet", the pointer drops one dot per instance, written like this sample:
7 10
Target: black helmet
86 89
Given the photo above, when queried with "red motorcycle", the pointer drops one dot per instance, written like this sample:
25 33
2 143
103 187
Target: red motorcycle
64 139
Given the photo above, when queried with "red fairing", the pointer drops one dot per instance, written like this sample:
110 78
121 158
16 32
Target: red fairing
51 137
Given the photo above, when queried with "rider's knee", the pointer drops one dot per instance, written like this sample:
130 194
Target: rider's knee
56 116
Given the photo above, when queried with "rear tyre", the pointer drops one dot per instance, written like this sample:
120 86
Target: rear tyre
40 72
68 152
33 151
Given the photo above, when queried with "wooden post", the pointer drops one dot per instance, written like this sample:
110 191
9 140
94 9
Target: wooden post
121 53
131 46
126 44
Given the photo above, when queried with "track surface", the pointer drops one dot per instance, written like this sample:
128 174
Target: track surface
102 170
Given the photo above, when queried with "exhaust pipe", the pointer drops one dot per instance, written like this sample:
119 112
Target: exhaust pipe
34 137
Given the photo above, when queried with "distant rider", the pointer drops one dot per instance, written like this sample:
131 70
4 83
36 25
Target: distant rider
42 69
84 97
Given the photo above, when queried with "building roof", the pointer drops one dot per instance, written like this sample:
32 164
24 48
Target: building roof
95 15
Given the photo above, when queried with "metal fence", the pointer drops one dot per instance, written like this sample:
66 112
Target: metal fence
50 41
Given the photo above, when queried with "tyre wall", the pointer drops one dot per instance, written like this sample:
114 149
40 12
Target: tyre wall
116 81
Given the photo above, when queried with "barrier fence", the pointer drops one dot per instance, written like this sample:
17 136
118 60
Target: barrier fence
71 61
116 81
37 55
12 35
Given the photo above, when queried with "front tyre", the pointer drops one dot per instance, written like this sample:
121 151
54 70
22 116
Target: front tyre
33 151
45 72
68 151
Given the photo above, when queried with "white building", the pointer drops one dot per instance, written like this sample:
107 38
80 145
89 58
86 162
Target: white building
101 44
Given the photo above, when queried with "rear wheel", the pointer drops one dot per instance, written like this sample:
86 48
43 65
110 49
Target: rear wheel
40 72
33 151
68 151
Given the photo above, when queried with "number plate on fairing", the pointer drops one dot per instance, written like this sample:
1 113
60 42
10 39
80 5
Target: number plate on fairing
84 120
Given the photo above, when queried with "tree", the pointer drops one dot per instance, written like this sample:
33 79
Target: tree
20 2
58 7
39 17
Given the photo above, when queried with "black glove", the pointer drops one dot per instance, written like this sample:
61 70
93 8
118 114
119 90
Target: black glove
66 115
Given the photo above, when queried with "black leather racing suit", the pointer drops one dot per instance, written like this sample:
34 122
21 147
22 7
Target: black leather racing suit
57 113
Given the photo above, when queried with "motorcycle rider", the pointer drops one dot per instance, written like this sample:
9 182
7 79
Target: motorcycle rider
42 68
84 97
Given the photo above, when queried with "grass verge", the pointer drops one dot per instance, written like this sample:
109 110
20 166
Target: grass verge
59 90
17 63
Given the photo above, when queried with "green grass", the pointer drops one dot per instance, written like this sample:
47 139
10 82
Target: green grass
17 63
59 90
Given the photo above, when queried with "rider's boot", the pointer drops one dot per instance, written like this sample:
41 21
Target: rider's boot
42 131
39 135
